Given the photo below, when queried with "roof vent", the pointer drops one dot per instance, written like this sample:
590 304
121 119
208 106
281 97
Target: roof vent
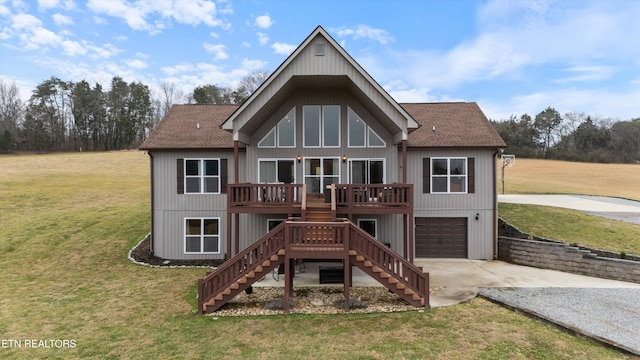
320 49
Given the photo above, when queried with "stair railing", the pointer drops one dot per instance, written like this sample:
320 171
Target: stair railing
390 261
241 264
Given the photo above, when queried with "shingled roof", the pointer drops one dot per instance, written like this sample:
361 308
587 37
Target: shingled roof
457 125
191 126
453 124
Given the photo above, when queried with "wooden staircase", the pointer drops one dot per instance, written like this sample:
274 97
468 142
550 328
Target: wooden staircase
342 240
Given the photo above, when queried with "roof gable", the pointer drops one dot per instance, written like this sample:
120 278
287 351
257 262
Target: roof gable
306 67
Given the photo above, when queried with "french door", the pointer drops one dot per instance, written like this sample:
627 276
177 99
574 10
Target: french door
321 172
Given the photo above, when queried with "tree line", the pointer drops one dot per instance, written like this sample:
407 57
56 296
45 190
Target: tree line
79 116
572 137
66 116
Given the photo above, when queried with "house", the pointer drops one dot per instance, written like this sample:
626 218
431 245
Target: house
320 152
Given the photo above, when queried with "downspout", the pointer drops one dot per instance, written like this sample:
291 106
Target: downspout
495 204
152 203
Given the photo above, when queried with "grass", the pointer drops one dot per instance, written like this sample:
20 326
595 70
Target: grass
534 176
68 221
573 226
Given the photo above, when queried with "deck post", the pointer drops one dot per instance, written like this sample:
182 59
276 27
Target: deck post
346 266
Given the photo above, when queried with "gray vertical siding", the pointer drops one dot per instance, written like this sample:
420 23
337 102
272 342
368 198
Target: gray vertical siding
170 208
480 232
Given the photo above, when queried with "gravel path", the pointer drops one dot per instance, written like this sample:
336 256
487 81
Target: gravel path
611 316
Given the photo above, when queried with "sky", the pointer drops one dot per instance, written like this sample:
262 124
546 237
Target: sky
511 57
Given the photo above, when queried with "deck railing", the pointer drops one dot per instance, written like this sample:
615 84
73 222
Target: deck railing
290 197
399 195
273 195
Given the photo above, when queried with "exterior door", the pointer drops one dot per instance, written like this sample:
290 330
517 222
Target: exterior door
320 172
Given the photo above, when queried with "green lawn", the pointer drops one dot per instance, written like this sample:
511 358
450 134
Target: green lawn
66 224
573 226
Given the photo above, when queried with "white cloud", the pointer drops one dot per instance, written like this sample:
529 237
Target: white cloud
365 32
218 50
136 63
73 48
587 73
47 4
253 65
25 21
134 16
263 39
139 14
589 101
282 48
62 20
263 21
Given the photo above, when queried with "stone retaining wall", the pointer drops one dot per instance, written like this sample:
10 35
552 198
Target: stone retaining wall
546 254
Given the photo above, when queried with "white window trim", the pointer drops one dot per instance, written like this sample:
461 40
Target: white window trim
322 174
339 127
201 175
364 145
184 232
270 220
384 167
449 175
293 114
275 139
304 123
276 160
375 225
277 133
384 143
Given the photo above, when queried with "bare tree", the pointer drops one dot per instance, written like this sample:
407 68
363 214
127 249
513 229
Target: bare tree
11 115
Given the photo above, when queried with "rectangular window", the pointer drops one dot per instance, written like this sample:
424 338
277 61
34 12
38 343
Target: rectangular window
448 175
276 171
202 235
331 126
369 225
366 171
311 125
321 126
320 172
202 176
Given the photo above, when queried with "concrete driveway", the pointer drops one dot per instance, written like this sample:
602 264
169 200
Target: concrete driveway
609 207
462 279
607 311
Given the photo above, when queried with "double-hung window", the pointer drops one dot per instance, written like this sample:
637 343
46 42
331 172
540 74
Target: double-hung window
202 176
448 175
202 235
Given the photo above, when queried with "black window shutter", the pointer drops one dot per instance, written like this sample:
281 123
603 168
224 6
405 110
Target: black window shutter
471 168
224 176
180 175
426 175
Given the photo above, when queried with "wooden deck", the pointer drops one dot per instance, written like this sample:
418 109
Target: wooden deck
345 198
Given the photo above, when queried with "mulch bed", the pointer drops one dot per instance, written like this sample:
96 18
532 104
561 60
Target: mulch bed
142 254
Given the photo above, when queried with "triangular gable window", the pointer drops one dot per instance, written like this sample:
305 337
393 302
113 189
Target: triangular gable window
361 135
284 133
375 140
269 140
